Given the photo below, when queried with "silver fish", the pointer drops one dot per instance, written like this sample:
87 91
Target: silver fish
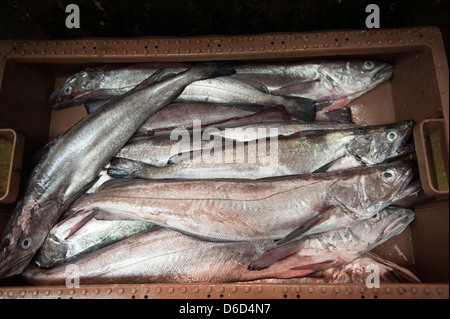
313 151
272 208
243 133
186 116
74 161
166 256
81 234
360 238
334 82
180 115
231 91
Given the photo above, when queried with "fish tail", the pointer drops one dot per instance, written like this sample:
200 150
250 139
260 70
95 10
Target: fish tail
124 168
302 108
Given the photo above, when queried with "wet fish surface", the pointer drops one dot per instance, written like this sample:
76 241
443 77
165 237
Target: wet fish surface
317 150
271 208
74 161
166 256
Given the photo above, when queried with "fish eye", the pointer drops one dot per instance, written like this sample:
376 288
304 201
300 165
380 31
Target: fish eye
376 217
25 243
392 136
388 176
68 90
369 65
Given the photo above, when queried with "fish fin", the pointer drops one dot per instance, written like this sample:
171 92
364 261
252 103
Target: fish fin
224 68
295 88
316 220
82 222
305 109
342 115
327 166
93 106
272 256
317 266
125 168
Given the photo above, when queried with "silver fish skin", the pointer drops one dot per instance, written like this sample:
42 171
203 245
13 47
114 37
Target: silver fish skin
348 243
316 150
271 208
166 256
81 234
209 115
284 128
336 81
180 115
231 91
105 83
74 161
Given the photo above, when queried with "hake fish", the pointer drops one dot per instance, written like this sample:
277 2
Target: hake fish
74 161
372 231
313 151
271 208
167 256
334 82
81 234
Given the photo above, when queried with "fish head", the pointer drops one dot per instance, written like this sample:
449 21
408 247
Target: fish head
76 89
382 143
353 78
24 234
52 249
363 192
382 226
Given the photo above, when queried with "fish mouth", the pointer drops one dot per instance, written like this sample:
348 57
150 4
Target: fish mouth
410 187
398 225
10 267
384 73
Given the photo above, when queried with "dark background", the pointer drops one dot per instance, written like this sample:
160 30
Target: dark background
45 19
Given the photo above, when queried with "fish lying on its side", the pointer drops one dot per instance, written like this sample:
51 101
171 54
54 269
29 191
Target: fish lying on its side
352 236
83 233
201 116
167 256
313 151
74 161
232 91
271 208
332 83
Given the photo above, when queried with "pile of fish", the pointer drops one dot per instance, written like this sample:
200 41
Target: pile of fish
270 179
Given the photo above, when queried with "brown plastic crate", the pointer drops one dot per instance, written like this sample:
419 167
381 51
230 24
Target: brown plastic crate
418 91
